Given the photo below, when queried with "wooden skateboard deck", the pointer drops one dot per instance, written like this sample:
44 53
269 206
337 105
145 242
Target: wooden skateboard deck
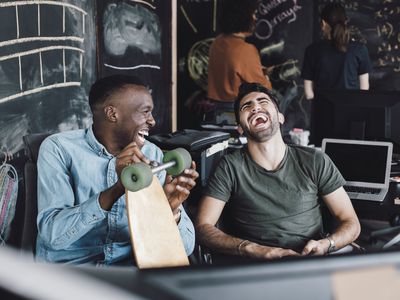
155 237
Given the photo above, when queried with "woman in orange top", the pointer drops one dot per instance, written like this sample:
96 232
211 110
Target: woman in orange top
232 60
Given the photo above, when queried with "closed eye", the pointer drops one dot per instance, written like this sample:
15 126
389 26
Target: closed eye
244 106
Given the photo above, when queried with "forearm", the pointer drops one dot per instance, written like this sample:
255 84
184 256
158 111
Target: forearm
108 197
308 89
221 242
346 233
364 81
61 227
215 239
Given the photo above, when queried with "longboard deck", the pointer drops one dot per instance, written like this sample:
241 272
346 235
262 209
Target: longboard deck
155 237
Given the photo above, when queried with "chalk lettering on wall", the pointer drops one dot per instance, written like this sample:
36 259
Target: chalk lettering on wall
280 10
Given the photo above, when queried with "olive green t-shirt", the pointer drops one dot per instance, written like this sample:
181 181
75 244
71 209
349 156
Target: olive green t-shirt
276 208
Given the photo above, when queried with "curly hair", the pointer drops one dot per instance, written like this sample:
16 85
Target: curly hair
237 15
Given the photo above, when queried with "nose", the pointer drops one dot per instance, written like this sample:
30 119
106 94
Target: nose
256 107
151 121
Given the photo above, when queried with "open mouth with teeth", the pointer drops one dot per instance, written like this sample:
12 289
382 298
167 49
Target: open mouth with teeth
259 120
142 136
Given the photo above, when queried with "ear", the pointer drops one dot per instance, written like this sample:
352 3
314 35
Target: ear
281 118
110 113
240 130
326 29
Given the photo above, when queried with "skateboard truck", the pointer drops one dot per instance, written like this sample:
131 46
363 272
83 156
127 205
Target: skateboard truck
140 175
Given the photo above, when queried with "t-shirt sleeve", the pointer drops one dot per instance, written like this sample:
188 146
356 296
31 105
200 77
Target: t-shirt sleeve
364 61
328 178
220 183
307 69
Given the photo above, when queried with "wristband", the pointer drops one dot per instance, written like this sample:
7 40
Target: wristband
331 247
241 245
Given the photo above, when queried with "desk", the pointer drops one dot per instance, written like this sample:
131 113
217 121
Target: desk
308 278
301 278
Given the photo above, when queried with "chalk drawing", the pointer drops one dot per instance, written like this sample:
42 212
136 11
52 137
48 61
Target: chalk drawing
40 89
39 51
31 2
144 2
134 26
41 39
197 61
133 67
13 127
188 19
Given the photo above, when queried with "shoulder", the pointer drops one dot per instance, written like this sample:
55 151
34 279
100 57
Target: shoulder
318 45
239 44
152 151
304 151
232 161
305 155
235 156
60 147
63 138
356 46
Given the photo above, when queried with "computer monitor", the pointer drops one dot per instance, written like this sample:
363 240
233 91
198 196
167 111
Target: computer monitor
357 115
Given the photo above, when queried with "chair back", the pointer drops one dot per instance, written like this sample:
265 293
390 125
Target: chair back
32 144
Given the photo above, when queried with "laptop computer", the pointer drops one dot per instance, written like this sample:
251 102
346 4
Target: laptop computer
365 165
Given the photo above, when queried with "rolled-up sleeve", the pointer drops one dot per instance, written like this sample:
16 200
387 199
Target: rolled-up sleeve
186 229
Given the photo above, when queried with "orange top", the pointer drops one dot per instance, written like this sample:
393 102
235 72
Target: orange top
232 61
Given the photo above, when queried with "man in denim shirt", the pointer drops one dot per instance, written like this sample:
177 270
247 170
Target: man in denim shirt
81 203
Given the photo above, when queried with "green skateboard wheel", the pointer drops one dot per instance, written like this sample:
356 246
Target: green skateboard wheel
136 177
182 158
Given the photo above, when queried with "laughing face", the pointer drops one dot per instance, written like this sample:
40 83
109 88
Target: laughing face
259 117
134 108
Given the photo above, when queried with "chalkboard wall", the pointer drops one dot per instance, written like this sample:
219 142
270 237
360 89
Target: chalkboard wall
47 63
135 38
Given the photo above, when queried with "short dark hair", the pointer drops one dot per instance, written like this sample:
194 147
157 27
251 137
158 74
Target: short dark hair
236 15
250 87
104 87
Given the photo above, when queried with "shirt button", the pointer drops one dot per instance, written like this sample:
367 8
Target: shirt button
100 153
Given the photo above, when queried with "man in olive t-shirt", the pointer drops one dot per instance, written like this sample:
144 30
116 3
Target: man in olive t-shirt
273 190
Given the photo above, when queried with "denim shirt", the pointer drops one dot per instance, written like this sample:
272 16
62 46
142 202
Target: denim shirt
73 169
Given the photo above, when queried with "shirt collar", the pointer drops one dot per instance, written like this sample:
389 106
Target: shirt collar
95 144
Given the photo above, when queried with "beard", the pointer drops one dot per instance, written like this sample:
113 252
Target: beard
262 135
